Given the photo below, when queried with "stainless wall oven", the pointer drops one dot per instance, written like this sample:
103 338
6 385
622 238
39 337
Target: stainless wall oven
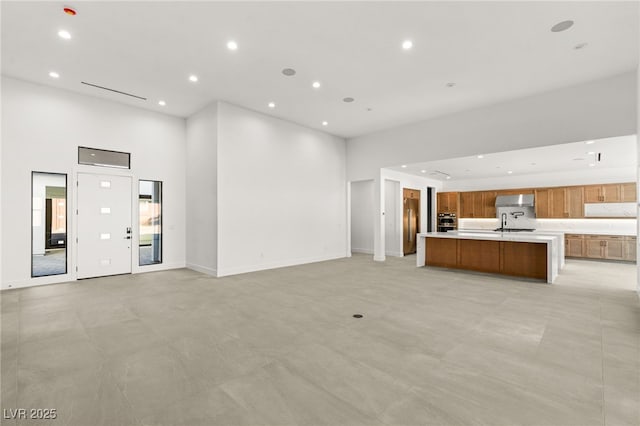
447 222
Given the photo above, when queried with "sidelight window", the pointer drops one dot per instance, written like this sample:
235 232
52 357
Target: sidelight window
150 211
48 224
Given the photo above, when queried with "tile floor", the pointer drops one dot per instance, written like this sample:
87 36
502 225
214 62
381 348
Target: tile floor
281 347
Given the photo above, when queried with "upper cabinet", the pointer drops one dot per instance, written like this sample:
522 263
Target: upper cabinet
489 203
478 204
610 193
628 192
447 202
542 202
574 201
557 202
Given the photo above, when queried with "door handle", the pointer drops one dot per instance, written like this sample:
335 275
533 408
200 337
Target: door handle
409 225
128 237
128 230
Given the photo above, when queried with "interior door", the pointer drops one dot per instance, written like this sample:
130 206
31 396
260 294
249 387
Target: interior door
104 225
410 219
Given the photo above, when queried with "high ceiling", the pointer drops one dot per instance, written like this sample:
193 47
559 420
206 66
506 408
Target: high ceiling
492 51
617 152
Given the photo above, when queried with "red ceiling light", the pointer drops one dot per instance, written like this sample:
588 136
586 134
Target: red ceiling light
69 11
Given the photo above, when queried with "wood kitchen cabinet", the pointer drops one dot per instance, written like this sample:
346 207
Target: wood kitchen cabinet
478 204
447 202
557 202
574 201
573 245
628 192
611 247
489 204
470 204
542 201
560 202
610 193
630 247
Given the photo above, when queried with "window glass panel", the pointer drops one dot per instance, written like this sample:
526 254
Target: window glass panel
150 208
49 224
104 158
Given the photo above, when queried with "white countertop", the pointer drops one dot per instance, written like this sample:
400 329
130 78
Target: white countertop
554 242
523 237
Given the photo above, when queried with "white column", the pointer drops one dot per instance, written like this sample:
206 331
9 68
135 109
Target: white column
378 231
638 172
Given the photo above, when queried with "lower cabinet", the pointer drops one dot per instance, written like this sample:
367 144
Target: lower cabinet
573 245
520 259
610 247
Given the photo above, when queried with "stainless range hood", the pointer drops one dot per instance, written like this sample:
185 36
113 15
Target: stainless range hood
521 200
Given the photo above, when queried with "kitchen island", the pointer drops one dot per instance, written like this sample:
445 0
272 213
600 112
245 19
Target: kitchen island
530 256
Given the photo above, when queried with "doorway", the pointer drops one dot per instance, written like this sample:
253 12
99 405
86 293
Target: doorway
104 225
410 219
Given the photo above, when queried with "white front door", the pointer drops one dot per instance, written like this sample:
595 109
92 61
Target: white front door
104 225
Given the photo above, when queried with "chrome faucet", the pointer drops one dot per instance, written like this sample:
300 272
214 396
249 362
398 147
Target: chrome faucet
503 216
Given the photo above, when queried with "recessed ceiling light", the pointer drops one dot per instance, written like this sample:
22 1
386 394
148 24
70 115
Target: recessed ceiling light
509 172
316 84
271 105
289 72
64 34
591 165
481 156
423 171
193 78
451 84
162 103
325 123
448 177
348 100
591 153
561 26
407 44
232 45
580 46
54 74
590 142
404 166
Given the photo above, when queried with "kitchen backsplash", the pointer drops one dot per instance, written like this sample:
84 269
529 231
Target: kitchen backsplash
569 226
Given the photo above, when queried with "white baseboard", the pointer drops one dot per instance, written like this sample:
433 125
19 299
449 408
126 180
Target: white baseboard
71 277
223 272
35 282
395 254
361 250
203 269
158 267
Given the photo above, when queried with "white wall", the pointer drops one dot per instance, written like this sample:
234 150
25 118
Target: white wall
202 190
41 130
392 218
281 193
599 109
362 216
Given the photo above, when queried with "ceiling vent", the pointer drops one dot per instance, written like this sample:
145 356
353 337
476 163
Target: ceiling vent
113 90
